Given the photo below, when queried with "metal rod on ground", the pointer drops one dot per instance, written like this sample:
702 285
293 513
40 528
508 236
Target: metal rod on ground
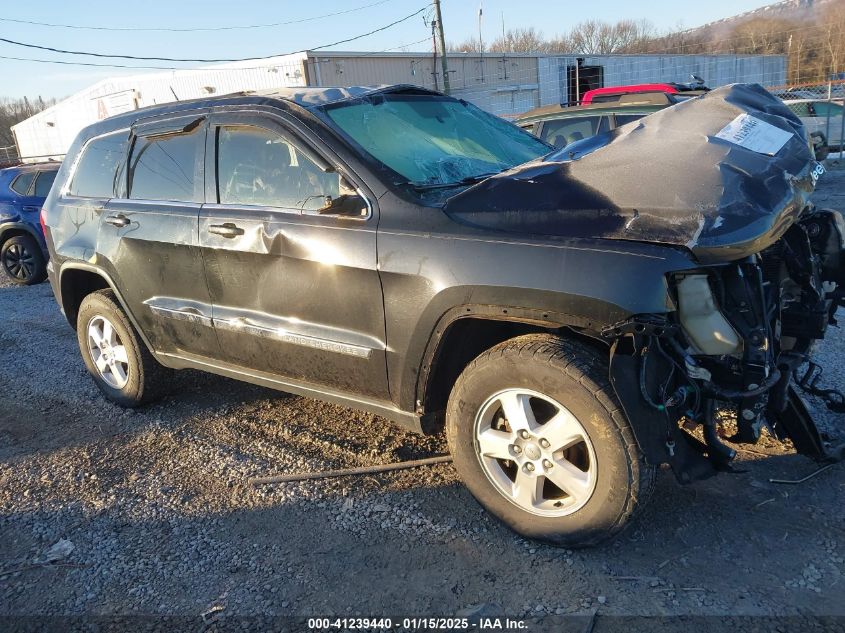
344 472
802 480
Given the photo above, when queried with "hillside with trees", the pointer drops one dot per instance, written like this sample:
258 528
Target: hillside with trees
811 34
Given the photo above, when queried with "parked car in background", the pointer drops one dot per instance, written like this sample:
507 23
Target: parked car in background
821 118
23 252
566 317
560 125
675 92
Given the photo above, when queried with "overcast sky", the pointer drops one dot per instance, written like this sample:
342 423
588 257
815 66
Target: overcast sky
460 18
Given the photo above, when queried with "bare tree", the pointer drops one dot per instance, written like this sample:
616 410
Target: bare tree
595 37
13 111
528 40
469 45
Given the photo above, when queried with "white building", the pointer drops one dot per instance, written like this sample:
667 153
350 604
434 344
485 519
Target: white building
503 84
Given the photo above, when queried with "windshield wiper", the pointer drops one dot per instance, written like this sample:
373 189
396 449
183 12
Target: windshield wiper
469 180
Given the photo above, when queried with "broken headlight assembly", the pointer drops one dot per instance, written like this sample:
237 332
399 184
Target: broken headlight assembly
738 334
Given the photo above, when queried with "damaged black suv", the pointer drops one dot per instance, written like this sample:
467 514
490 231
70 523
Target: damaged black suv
573 317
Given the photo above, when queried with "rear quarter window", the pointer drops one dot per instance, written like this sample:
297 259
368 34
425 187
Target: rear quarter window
98 169
21 184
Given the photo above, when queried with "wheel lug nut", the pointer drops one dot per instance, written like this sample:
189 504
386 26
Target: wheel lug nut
524 434
516 449
529 467
547 464
544 443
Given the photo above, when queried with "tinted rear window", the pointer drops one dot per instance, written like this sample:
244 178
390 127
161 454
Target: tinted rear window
164 168
99 165
622 119
565 131
44 182
21 183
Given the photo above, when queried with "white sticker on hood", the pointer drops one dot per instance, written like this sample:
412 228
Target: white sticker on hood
754 134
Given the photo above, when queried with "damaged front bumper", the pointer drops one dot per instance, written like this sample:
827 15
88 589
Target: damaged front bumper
738 334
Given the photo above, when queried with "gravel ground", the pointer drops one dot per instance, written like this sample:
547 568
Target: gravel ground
162 521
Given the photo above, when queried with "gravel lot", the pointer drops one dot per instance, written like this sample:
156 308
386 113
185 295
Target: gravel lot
162 521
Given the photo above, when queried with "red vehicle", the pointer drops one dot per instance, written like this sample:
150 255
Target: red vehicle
677 92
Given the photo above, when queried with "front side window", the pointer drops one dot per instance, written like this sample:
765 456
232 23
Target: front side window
44 183
96 173
562 132
432 140
259 167
165 168
21 184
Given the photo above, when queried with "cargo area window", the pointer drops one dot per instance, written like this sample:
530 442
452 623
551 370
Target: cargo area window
256 166
97 172
166 167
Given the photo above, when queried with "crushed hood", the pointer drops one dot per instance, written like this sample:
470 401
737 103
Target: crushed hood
668 178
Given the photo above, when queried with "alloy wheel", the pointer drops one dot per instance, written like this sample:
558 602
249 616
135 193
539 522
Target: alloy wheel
19 262
108 352
535 452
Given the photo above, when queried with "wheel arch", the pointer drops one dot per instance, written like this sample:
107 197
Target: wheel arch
77 280
466 331
13 229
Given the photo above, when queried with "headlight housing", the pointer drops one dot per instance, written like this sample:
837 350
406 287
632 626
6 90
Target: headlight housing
705 326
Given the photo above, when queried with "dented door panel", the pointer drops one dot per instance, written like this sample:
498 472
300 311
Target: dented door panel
294 294
155 261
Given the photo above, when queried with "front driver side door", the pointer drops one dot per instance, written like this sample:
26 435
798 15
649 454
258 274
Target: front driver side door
295 292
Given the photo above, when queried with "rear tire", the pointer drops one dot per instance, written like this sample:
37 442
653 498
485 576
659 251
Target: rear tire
23 261
114 354
540 440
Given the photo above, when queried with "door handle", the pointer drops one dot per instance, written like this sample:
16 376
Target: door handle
31 209
117 220
227 229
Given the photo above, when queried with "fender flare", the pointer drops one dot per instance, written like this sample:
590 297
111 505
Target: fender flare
530 316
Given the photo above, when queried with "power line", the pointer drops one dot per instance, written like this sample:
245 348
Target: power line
393 48
192 29
64 63
211 61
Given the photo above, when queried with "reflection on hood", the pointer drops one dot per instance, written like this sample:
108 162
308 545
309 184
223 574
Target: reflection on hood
667 178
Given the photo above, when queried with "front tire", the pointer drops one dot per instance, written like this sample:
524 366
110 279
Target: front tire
117 359
23 261
540 440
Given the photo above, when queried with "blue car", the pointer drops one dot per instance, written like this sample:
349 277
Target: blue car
23 252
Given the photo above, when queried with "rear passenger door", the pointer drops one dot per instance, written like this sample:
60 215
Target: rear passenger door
296 291
148 236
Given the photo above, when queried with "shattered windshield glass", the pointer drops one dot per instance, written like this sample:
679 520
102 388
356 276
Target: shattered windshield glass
435 141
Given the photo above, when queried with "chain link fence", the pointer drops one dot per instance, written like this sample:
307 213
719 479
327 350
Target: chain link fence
820 108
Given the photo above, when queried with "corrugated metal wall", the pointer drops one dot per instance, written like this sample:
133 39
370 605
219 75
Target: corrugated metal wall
619 70
502 84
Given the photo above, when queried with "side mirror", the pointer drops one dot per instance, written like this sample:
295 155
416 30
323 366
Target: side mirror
351 205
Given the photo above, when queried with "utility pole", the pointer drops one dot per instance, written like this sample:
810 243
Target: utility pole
434 52
445 64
